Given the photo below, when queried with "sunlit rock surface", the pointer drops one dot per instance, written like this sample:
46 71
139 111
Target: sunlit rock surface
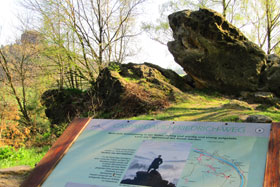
214 52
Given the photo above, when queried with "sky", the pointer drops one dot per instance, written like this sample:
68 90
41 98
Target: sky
149 50
8 21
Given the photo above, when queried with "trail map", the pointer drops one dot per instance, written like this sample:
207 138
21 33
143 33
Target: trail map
215 170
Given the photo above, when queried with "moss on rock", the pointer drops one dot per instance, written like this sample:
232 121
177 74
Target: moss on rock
136 89
121 90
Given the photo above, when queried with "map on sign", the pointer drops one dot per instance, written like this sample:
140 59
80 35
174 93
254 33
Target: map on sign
215 170
111 153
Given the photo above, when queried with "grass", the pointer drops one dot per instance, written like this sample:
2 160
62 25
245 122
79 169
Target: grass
10 157
211 107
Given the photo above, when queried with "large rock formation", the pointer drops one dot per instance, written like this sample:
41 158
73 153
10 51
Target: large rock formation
121 90
272 74
215 53
31 37
125 90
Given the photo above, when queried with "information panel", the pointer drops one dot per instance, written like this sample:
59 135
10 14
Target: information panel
111 153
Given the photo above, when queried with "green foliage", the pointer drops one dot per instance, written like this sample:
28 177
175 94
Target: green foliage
207 94
263 20
233 118
6 152
10 157
114 66
234 11
40 122
16 133
57 130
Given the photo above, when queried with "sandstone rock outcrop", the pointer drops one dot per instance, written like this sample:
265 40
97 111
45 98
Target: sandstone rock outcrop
121 90
215 53
272 74
125 90
62 106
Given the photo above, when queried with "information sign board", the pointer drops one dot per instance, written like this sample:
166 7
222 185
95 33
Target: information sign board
111 153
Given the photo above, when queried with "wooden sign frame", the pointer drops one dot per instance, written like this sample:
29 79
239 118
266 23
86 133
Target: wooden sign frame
62 145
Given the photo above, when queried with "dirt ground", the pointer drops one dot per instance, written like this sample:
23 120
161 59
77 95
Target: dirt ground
13 177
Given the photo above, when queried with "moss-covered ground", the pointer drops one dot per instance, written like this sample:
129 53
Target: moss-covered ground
200 106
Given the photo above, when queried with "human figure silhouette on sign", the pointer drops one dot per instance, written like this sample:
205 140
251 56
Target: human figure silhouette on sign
155 164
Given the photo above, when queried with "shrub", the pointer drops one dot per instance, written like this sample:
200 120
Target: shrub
11 132
114 66
9 156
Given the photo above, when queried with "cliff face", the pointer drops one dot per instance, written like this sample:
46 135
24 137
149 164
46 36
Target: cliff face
215 53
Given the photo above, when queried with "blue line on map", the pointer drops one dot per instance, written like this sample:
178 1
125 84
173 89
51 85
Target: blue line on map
225 161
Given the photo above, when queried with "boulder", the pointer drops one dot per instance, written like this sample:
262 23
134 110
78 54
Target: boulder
214 52
258 119
125 90
268 98
63 105
272 74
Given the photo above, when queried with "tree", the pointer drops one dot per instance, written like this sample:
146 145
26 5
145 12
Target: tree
272 12
160 31
225 5
19 64
233 10
264 16
99 29
60 48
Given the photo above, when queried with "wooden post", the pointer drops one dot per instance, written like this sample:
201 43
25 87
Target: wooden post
272 171
55 154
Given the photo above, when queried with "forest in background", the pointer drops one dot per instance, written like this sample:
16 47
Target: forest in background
70 42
